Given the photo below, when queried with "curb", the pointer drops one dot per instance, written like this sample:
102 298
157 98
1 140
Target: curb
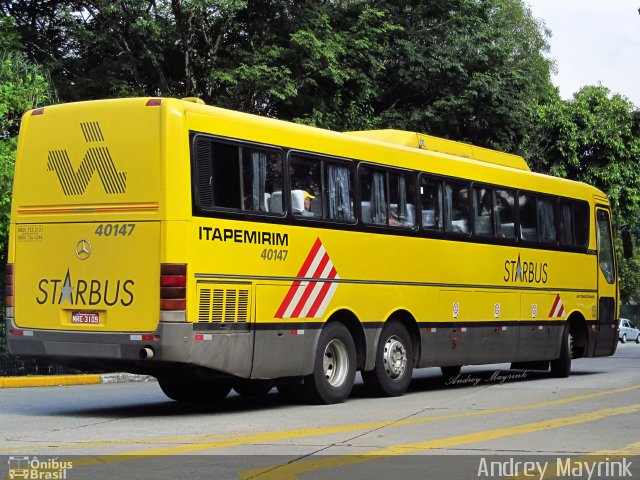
61 380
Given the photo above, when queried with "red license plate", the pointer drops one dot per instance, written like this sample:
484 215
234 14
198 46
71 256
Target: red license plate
85 318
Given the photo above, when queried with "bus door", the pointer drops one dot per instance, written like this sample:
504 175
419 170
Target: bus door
606 333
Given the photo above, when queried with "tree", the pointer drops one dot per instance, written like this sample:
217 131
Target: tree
595 138
462 69
466 70
23 85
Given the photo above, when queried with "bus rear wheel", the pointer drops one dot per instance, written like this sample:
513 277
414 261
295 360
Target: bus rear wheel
561 367
334 368
191 390
392 373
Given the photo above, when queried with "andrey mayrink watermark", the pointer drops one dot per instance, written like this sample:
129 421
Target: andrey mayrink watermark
563 468
496 377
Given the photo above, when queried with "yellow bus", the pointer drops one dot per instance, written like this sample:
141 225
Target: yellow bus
214 250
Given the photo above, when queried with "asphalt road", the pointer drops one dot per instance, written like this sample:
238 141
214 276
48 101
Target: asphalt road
479 425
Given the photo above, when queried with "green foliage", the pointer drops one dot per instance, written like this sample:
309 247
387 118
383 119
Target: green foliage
466 70
462 69
23 85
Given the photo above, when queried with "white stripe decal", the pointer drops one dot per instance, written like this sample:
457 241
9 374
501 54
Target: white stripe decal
327 299
309 298
294 301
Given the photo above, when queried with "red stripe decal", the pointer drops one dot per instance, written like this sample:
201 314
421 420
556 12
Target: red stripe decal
303 271
323 293
310 257
310 286
555 304
287 299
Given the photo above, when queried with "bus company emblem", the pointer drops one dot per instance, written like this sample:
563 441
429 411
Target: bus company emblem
96 159
85 292
519 271
83 249
310 299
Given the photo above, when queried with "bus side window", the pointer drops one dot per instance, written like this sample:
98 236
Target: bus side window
431 203
401 200
566 223
339 193
373 196
457 214
506 213
306 179
483 211
528 218
581 224
261 175
546 220
236 176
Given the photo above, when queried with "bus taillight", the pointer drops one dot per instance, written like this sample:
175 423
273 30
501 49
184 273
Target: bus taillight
173 291
8 288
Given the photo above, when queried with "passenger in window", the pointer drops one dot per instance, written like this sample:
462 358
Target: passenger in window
307 205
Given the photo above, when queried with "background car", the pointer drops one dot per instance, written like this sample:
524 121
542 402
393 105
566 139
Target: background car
628 331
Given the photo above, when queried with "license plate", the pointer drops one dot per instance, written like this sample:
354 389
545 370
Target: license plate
85 318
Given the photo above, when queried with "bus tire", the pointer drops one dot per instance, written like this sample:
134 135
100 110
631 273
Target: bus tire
334 368
183 390
561 367
393 369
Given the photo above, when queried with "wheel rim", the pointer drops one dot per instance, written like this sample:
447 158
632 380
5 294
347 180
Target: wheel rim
395 357
335 363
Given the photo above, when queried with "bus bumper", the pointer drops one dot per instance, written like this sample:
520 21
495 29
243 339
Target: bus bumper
153 353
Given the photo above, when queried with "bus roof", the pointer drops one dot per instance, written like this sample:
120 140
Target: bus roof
442 145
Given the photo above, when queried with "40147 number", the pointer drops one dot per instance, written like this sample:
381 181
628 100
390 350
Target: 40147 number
115 229
274 254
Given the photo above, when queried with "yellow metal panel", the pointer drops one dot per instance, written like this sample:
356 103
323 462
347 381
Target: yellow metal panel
92 156
455 306
88 268
496 306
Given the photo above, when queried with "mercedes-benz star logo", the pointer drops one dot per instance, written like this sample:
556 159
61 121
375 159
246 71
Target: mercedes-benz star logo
83 249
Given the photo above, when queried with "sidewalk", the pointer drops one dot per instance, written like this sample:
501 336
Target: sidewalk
60 380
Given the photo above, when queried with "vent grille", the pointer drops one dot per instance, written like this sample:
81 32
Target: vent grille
223 304
204 172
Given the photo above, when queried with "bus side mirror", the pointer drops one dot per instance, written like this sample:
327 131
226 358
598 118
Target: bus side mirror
627 244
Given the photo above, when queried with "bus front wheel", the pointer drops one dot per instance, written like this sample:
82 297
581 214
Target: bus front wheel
334 367
392 373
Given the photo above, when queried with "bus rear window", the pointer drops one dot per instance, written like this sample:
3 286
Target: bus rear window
237 176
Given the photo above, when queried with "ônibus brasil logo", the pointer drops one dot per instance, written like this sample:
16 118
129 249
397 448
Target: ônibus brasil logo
96 159
35 469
